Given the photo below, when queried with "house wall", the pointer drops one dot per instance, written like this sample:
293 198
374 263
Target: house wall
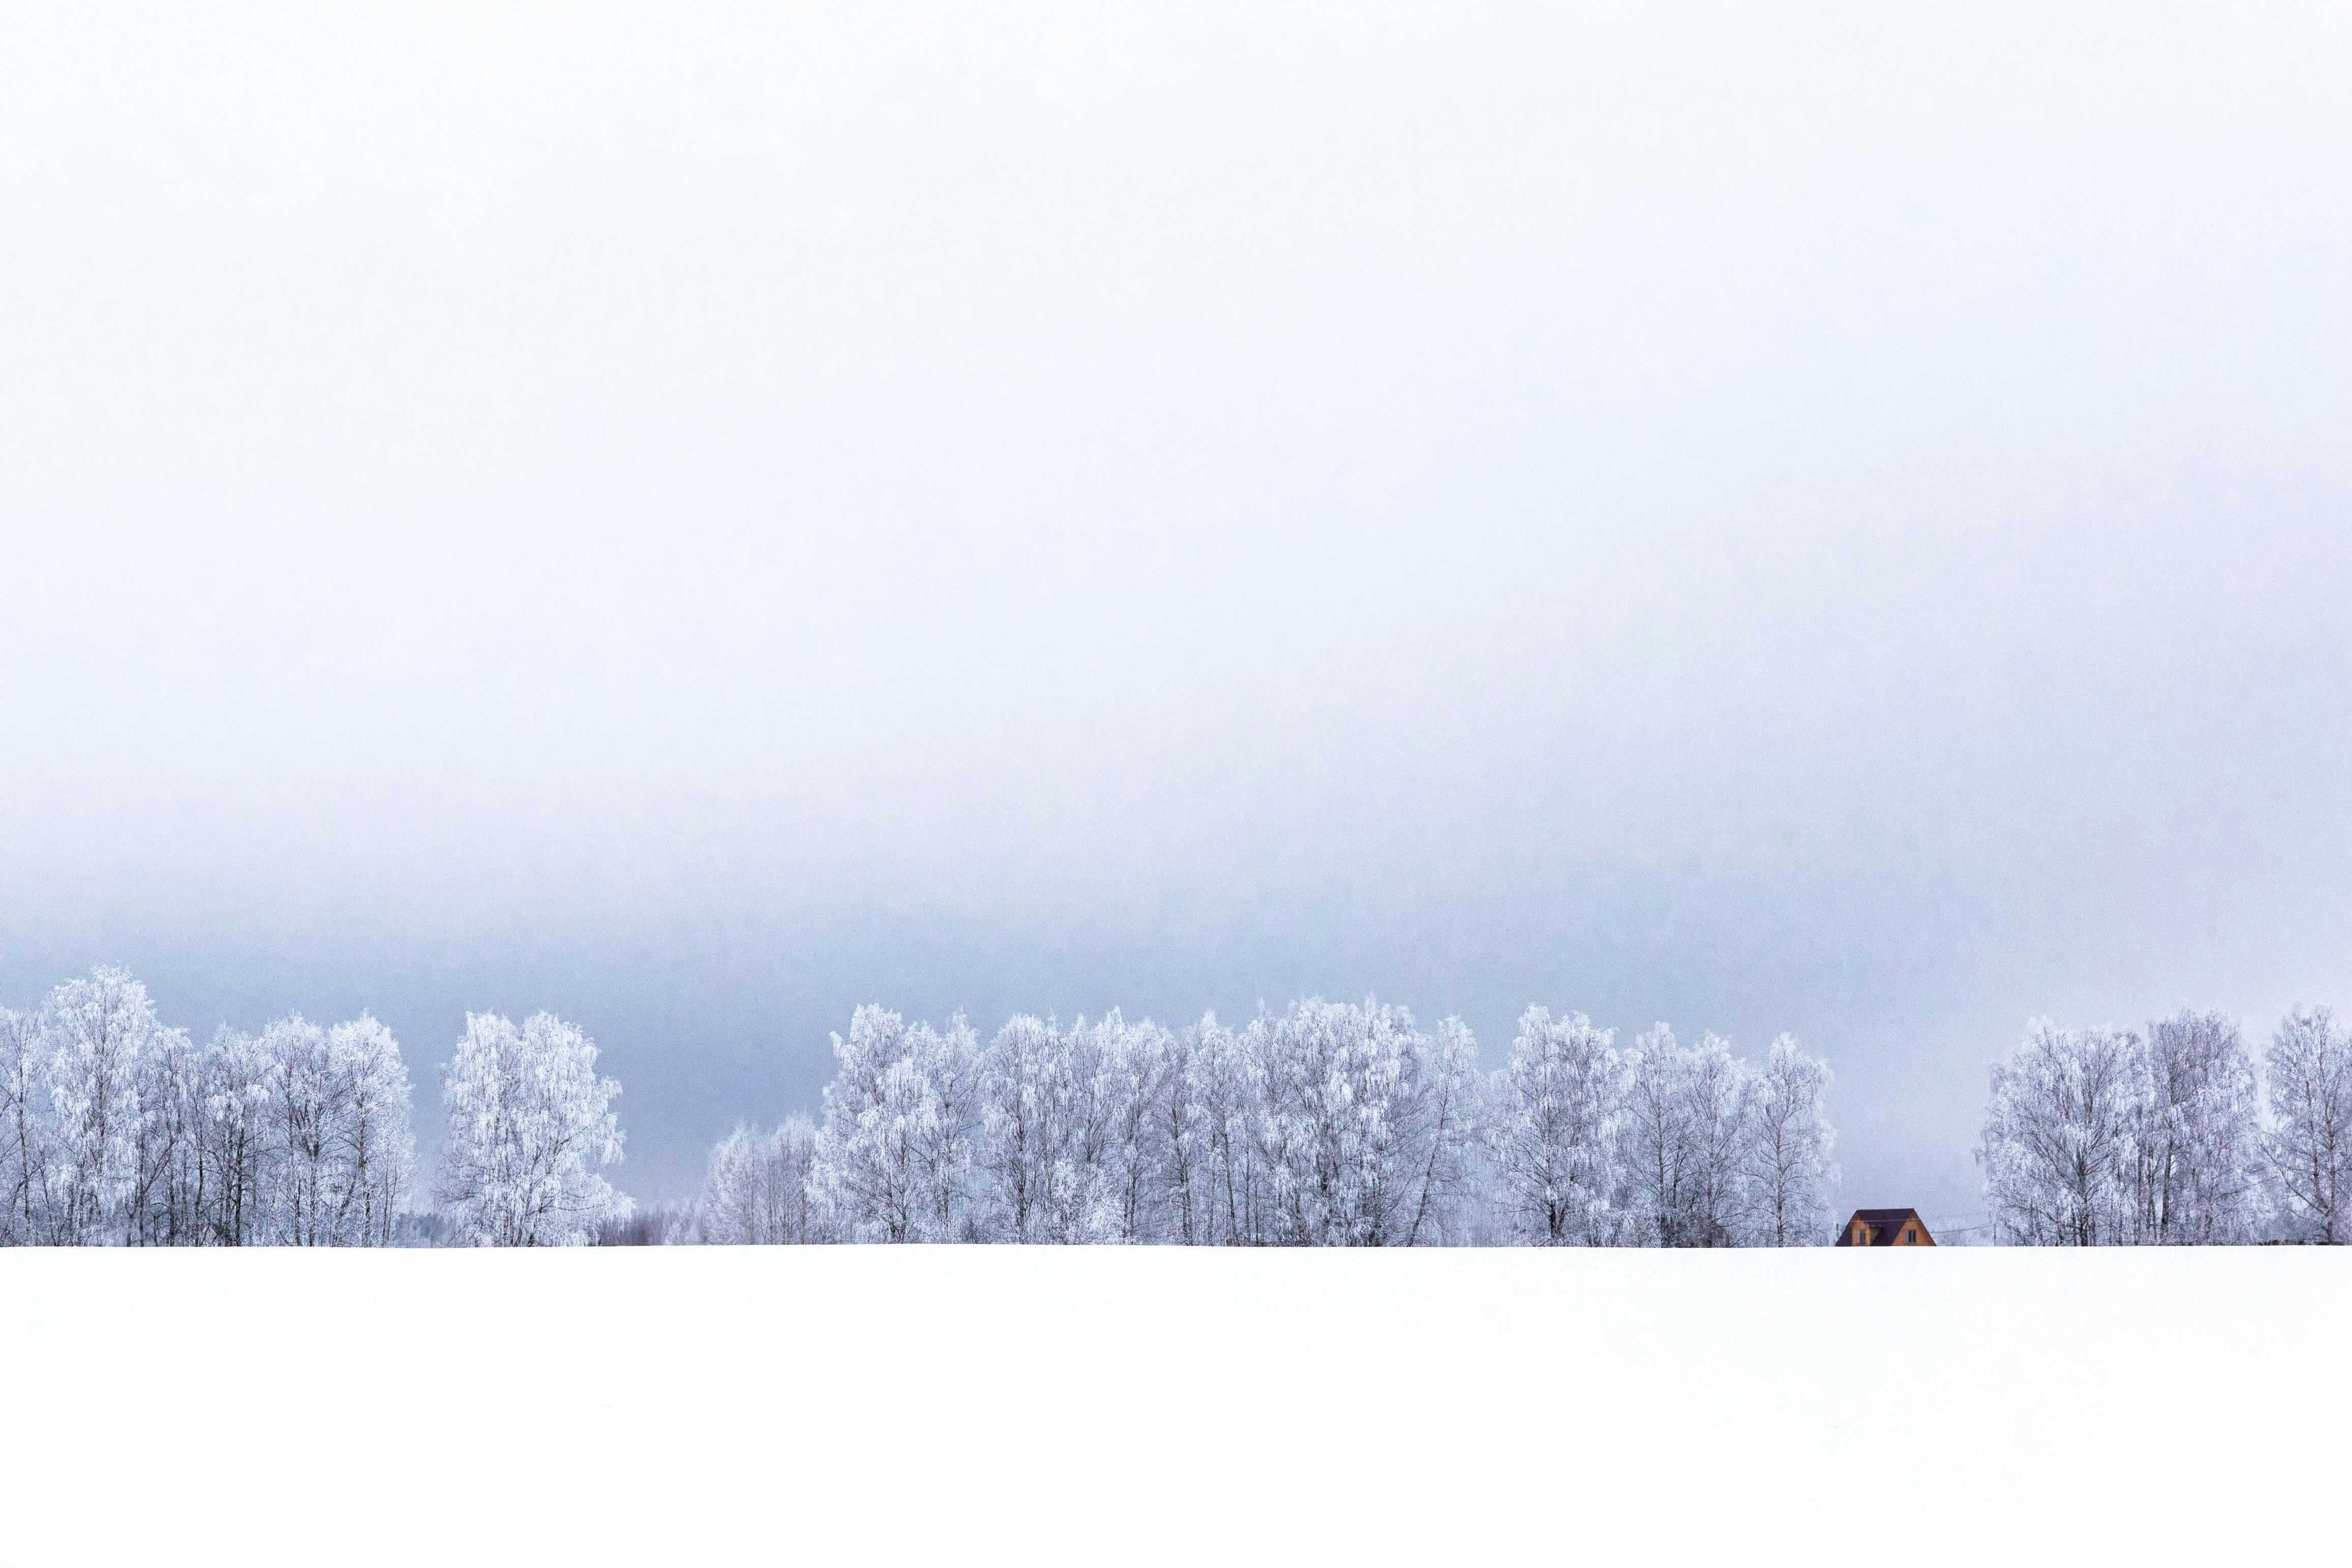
1857 1233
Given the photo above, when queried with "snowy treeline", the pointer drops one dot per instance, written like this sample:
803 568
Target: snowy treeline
2104 1137
116 1130
1330 1124
122 1131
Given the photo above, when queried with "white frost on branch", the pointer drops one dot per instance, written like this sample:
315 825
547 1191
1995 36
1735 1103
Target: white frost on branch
2310 1143
1789 1145
757 1191
530 1127
894 1154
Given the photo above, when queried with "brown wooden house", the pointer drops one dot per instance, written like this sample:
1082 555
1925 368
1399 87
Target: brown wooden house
1885 1228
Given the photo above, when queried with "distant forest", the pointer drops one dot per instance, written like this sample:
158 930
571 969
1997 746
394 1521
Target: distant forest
1329 1124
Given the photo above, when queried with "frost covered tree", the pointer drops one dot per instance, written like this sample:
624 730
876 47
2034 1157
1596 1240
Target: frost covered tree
2106 1138
374 1145
1184 1142
1789 1144
1331 1124
1683 1147
1029 1099
756 1193
27 1158
2195 1162
948 1061
1351 1126
2310 1143
2057 1145
1654 1151
235 1128
1070 1147
895 1153
304 1096
1716 1105
1089 1051
116 1130
1135 1075
1327 1124
1553 1128
1225 1089
172 1194
1449 1128
321 1117
101 1037
1213 1190
866 1171
530 1127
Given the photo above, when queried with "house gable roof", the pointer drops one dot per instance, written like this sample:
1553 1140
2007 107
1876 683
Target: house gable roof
1884 1223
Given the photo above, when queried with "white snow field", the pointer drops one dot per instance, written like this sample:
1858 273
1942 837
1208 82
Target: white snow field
975 1404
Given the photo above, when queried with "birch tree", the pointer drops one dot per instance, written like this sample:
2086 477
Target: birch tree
2310 1143
371 1142
895 1156
1028 1095
1789 1167
27 1156
2196 1156
2057 1143
1227 1089
530 1127
304 1105
172 1197
1136 1075
1678 1167
1716 1104
1553 1128
99 1034
947 1064
1449 1131
235 1128
1185 1140
1654 1163
1343 1122
757 1190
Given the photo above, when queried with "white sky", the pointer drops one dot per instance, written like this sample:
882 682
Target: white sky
1770 515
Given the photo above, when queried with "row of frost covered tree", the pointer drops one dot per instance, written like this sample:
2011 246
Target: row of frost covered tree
1331 1124
116 1130
2107 1137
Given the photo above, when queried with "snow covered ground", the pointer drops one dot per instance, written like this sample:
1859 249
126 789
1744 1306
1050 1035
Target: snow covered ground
982 1404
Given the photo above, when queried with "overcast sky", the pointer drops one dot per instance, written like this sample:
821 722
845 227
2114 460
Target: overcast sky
1762 517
